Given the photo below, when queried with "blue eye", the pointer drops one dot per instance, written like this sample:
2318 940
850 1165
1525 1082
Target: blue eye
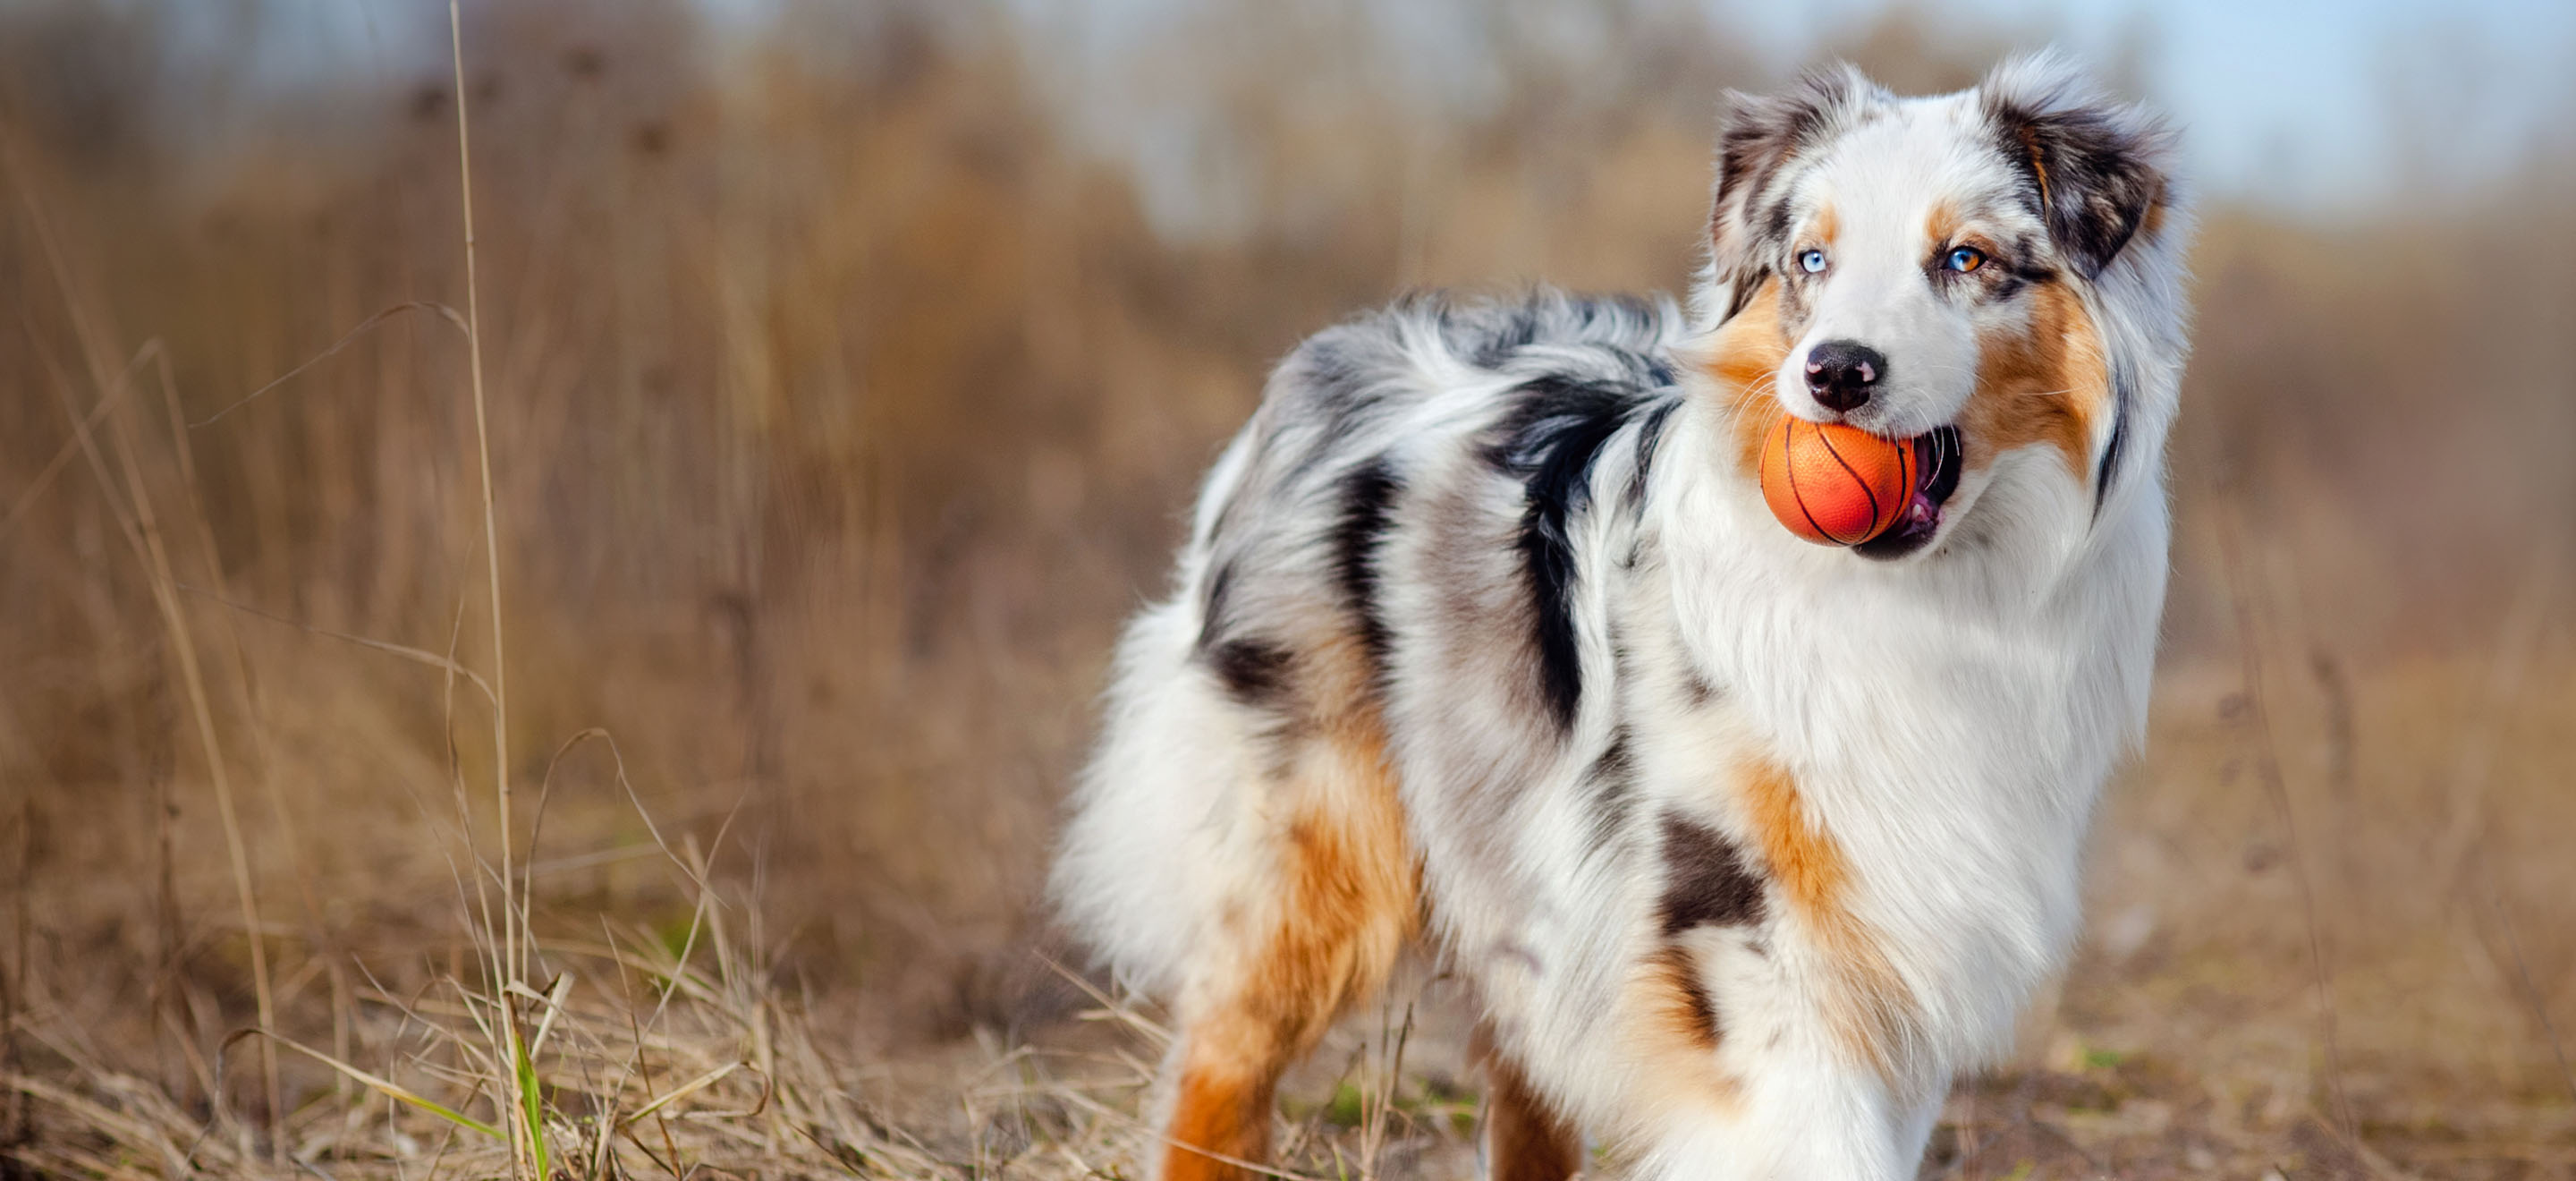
1964 259
1811 261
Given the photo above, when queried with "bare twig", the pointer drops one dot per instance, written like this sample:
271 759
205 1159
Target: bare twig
443 311
2250 643
483 456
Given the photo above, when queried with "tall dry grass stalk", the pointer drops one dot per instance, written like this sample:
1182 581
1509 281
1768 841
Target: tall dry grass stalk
527 1123
491 527
139 523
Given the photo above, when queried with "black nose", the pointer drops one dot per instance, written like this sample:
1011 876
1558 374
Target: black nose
1842 374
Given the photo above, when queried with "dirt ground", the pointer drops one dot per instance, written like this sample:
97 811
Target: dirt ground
2190 1039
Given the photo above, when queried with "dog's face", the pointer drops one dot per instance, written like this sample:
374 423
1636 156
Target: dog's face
1919 268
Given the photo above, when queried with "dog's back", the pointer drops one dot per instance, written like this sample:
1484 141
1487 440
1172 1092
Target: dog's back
1279 634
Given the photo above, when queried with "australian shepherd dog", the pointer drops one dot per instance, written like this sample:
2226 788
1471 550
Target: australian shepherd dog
1484 642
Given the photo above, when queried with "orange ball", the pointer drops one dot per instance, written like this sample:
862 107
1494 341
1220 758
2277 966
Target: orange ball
1833 484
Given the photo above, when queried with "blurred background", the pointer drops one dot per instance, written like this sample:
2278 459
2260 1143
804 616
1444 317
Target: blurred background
847 369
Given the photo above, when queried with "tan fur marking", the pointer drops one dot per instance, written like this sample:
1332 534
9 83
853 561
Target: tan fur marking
1525 1139
1871 1013
1806 864
2038 161
1671 1031
1666 1036
1220 1118
2042 385
1678 1002
1942 225
2152 225
1347 891
1826 225
1745 361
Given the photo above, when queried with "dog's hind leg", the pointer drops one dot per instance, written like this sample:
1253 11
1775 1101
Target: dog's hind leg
1317 929
1523 1138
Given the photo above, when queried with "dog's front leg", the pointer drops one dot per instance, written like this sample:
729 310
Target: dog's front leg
1803 1118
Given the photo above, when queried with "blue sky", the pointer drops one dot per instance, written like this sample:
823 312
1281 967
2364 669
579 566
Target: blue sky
2321 106
2316 103
2318 106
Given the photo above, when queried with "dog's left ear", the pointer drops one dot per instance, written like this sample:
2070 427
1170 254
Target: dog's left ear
1762 136
2100 169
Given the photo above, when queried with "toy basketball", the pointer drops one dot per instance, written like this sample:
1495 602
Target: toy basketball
1833 484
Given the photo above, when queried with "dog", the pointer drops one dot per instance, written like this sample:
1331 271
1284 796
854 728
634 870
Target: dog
1483 642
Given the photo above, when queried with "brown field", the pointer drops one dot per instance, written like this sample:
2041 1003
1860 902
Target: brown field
836 402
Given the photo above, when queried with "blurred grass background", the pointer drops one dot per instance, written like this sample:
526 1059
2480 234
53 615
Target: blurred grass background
846 396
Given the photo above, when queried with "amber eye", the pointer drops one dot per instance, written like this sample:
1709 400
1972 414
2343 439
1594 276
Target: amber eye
1964 259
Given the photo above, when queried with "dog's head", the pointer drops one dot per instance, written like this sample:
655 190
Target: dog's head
1938 269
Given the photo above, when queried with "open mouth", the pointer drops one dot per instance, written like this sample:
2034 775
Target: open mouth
1939 460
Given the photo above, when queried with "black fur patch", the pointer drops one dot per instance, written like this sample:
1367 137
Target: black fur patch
1212 617
1339 369
1707 882
1550 444
1775 223
2121 379
1747 285
2026 265
1368 500
1650 435
2089 177
1613 798
1254 672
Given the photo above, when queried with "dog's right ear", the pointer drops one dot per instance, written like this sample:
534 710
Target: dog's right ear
1763 133
2096 169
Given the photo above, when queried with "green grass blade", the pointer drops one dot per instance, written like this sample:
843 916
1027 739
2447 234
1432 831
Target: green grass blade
531 1100
384 1086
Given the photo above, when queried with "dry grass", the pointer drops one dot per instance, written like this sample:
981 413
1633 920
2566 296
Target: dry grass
831 408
